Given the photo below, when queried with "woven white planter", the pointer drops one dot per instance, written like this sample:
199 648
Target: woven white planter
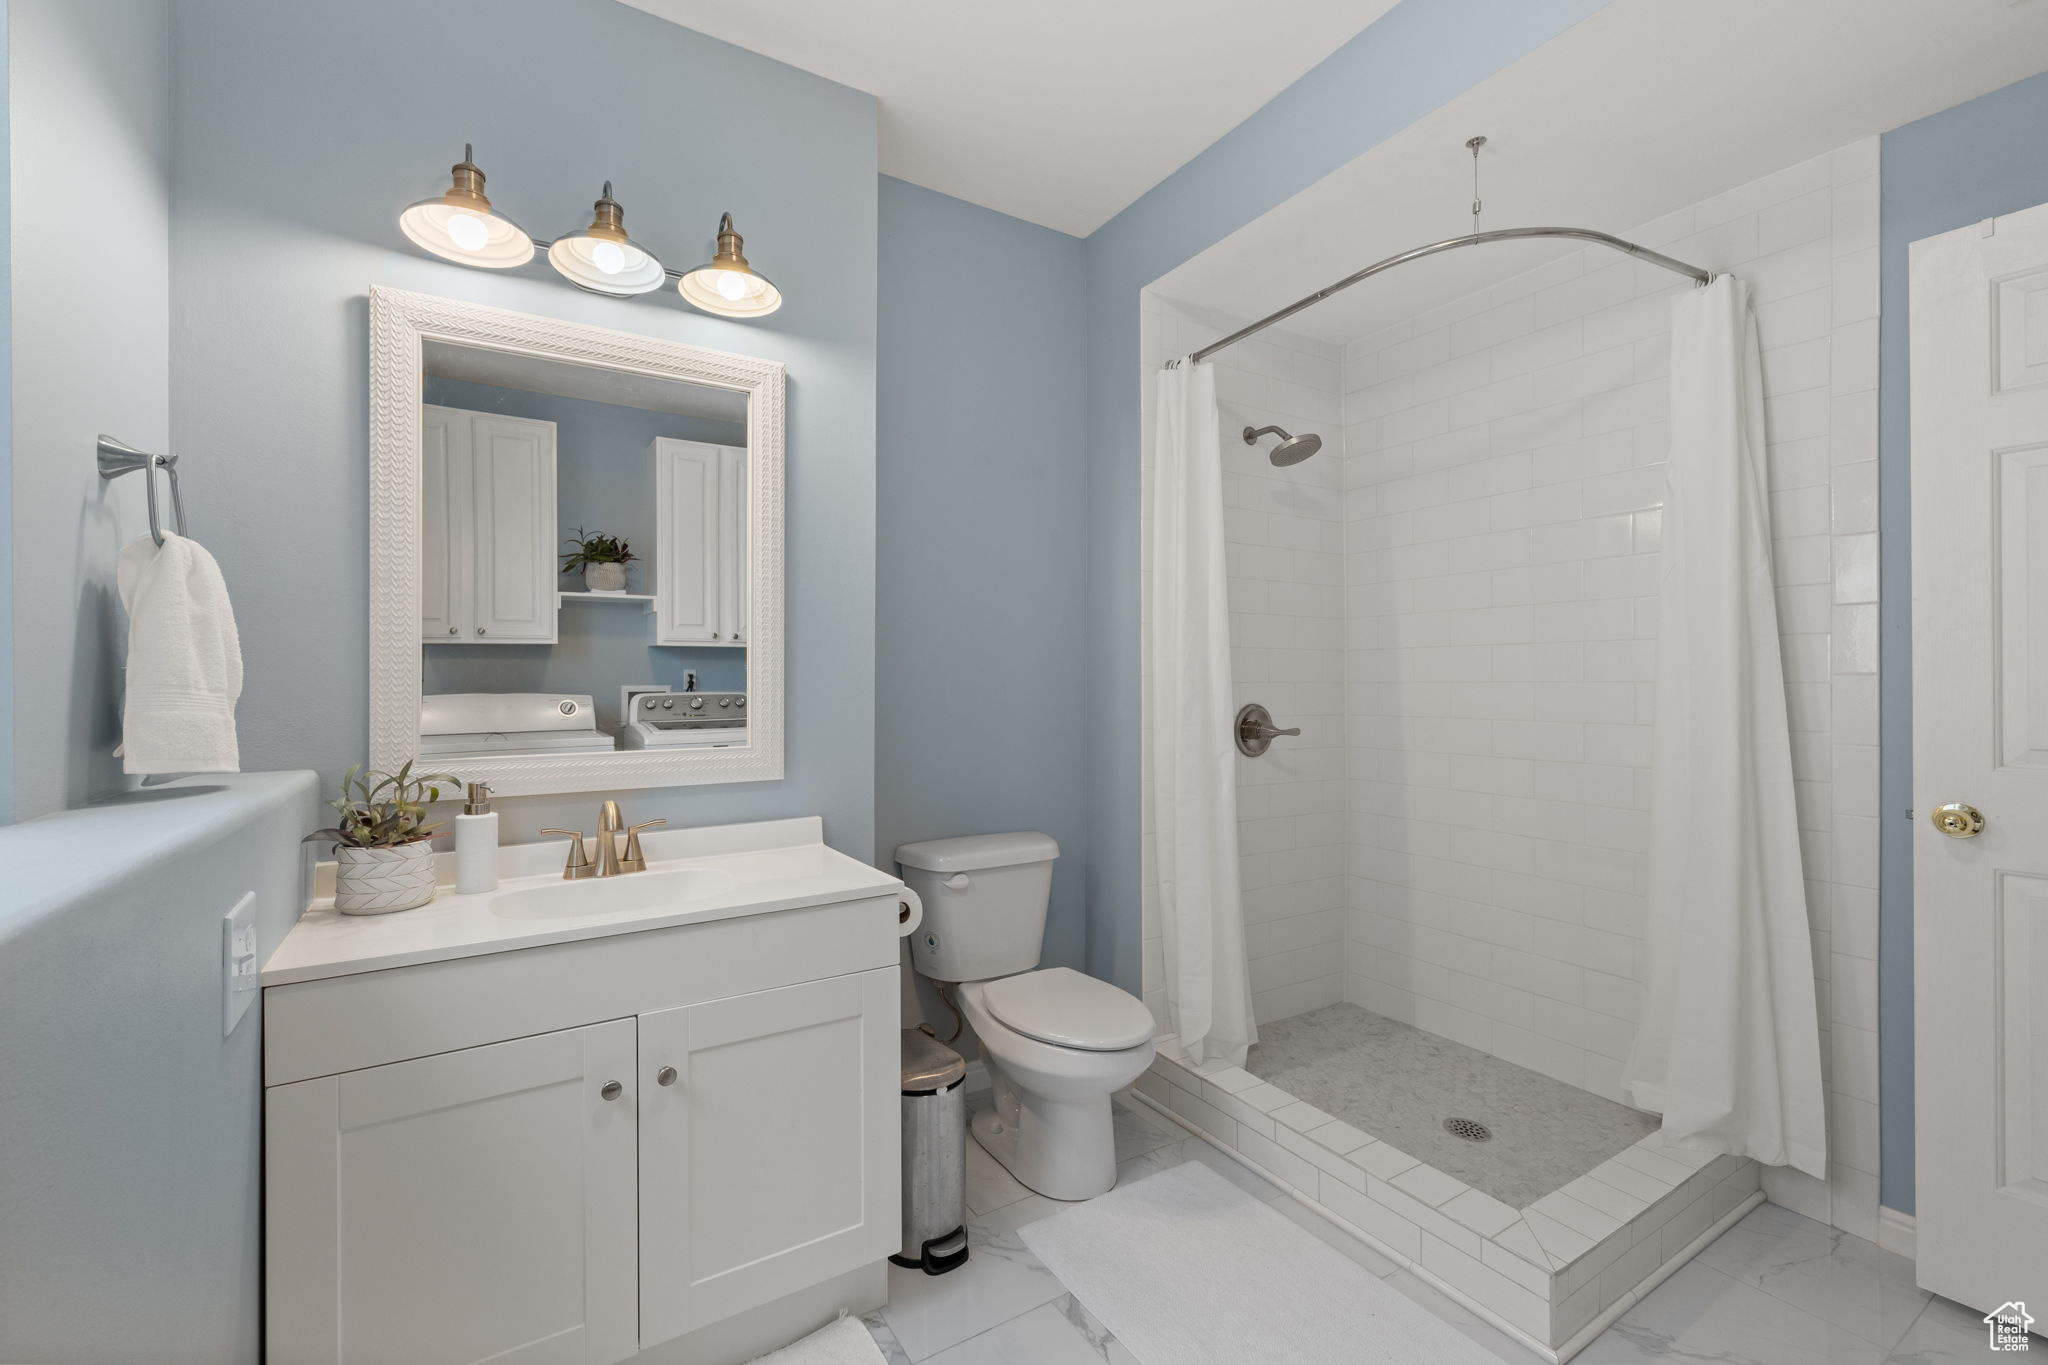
377 881
604 577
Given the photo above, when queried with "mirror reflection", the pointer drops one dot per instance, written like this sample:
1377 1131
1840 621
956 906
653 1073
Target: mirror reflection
584 566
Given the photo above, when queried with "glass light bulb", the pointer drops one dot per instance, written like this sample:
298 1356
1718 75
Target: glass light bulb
609 257
467 231
733 285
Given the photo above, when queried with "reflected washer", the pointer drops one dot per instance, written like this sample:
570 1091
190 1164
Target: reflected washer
686 720
487 724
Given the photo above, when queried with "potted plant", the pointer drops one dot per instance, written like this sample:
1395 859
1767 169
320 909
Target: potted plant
383 860
603 560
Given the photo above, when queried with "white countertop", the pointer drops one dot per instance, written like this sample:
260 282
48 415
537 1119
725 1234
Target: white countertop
772 865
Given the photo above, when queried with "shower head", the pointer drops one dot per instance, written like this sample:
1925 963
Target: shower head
1291 450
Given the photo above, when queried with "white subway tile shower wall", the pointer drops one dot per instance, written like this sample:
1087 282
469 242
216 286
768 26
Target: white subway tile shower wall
1503 479
1284 560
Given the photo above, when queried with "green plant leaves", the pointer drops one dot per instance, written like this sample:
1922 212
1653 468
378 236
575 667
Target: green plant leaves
383 810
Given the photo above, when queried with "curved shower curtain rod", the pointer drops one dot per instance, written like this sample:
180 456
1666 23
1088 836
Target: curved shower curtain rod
1692 272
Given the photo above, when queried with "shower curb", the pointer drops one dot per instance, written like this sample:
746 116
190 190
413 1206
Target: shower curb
1552 1275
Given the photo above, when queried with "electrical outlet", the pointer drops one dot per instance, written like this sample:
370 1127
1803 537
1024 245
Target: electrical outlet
238 962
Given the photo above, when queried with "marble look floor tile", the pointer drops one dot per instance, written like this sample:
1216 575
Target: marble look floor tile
1947 1332
1324 1230
1853 1284
1000 1281
1140 1130
1469 1324
1043 1336
989 1186
885 1340
1192 1148
1701 1317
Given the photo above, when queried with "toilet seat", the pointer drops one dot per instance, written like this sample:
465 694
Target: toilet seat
1066 1008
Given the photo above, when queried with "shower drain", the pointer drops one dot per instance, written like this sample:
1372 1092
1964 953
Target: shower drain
1472 1130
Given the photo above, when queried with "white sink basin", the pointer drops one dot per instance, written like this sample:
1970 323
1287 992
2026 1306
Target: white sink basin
635 892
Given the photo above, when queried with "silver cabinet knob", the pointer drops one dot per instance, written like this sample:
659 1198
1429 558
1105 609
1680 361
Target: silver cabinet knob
714 635
665 1076
452 630
612 1090
479 630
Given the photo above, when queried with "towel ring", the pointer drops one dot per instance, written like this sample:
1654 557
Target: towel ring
118 458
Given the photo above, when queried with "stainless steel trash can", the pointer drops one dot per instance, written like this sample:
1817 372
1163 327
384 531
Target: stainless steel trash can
934 1155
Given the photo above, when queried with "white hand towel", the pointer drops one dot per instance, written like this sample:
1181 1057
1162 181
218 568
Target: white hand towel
184 661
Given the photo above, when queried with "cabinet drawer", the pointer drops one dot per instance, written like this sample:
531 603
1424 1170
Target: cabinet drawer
318 1028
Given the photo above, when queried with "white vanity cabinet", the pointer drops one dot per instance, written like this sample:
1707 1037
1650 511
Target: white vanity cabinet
700 548
487 529
582 1150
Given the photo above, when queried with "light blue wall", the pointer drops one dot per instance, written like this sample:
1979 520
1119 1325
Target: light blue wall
89 89
604 483
982 675
130 1134
1420 55
1975 161
300 132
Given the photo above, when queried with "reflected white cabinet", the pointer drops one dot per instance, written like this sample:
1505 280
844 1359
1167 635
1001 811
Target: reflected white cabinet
487 530
700 545
477 1205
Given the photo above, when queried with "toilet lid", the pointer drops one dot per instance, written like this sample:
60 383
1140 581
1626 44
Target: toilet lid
1061 1006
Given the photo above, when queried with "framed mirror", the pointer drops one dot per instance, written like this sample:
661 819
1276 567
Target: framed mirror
575 552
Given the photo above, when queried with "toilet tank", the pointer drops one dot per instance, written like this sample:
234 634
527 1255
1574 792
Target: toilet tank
984 903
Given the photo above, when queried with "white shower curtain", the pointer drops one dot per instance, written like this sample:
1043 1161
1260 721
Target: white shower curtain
1729 1047
1193 762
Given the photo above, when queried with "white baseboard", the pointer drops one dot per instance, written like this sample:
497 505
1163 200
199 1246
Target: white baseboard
1897 1232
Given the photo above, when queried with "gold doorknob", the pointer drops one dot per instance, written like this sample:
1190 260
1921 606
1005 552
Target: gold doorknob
1959 821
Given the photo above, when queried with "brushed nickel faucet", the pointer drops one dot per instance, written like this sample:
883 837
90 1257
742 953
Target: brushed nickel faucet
610 862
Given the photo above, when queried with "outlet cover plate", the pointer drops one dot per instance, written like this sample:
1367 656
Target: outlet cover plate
239 971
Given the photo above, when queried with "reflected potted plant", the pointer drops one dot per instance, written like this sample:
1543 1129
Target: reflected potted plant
383 860
602 558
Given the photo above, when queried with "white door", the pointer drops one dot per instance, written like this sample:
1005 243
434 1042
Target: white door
688 529
732 558
517 574
1980 738
476 1205
447 555
769 1161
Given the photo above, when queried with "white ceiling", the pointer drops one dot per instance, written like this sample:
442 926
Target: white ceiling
565 379
1059 111
1642 109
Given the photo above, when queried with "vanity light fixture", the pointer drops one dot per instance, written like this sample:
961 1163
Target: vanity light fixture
728 286
602 258
461 225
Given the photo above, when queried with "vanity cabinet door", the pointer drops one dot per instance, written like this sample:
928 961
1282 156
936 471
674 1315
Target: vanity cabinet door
517 574
447 552
470 1206
688 531
768 1163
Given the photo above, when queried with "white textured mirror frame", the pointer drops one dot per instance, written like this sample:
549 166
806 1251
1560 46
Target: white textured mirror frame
401 322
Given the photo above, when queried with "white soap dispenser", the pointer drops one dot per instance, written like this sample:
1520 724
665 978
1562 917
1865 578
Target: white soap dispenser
476 843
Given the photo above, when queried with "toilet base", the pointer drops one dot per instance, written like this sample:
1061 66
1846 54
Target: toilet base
1063 1150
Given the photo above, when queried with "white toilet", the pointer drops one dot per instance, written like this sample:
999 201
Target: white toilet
1058 1043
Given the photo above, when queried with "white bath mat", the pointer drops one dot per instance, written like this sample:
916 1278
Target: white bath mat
844 1342
1184 1268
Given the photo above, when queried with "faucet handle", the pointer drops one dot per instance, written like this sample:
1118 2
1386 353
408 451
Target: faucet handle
578 867
635 860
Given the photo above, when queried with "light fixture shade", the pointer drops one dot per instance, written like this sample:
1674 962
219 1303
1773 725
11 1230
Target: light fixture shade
728 286
602 258
461 225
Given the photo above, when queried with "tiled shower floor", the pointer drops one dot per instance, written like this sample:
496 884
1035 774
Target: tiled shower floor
1400 1084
